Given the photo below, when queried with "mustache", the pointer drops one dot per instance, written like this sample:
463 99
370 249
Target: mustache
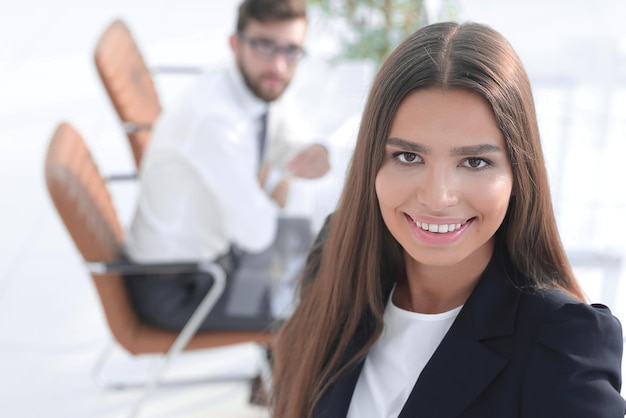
273 76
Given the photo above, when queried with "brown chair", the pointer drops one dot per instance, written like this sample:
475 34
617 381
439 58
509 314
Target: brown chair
129 84
84 204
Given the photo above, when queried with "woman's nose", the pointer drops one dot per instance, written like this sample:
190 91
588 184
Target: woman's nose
437 189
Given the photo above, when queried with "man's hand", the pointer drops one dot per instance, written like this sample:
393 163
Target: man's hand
310 163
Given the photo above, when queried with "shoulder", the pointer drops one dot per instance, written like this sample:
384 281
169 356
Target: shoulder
560 310
215 94
205 99
575 363
589 329
566 323
210 93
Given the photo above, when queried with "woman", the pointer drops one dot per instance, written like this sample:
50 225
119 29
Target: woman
442 289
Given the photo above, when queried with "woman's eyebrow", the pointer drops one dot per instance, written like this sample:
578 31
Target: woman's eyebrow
408 145
417 148
475 149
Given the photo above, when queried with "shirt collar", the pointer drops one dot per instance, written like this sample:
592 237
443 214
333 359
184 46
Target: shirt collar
251 103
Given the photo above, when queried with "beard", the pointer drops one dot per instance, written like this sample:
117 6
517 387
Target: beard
266 86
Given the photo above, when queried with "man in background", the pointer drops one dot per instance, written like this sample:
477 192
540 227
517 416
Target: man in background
215 175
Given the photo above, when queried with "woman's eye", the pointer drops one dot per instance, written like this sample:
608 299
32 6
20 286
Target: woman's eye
407 157
476 163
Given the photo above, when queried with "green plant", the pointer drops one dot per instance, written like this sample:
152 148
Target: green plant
373 28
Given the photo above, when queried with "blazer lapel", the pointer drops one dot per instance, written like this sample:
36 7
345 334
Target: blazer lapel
462 366
335 402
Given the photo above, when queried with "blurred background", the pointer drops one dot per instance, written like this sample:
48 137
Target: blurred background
51 327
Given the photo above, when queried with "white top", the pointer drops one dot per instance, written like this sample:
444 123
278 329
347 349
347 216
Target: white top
199 189
396 360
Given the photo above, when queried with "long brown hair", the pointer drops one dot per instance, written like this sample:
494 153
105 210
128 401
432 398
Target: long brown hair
360 260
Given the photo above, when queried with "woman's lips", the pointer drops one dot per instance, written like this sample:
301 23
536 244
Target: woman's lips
440 233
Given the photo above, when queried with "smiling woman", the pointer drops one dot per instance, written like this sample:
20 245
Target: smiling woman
440 288
443 189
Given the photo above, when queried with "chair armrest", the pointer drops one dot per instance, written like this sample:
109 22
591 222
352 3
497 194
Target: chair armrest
121 177
130 268
134 128
176 69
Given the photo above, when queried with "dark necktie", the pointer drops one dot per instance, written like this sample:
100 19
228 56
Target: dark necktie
262 137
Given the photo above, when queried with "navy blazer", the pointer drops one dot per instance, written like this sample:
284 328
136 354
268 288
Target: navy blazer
512 353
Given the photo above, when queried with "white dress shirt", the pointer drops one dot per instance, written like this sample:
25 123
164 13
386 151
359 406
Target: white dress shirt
199 190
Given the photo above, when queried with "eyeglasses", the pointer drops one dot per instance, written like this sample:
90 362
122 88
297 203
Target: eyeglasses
266 49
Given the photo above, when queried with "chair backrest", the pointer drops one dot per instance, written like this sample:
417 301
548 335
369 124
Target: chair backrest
129 84
83 202
81 196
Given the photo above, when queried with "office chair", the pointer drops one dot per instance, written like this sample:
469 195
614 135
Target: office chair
130 85
84 204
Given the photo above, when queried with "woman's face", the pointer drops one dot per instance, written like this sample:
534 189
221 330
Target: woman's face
445 181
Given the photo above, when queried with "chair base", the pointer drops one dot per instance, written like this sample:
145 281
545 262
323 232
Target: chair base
142 377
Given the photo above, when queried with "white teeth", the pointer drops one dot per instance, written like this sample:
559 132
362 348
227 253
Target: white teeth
441 229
